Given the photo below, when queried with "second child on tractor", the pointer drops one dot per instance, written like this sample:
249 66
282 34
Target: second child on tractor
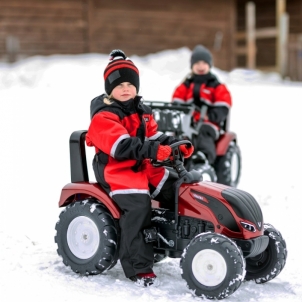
202 89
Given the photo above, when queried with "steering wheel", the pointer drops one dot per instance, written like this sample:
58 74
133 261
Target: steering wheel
175 157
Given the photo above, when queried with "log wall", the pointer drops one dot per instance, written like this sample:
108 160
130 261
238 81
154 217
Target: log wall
43 27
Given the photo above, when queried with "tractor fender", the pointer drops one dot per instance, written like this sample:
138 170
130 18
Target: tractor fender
82 190
224 142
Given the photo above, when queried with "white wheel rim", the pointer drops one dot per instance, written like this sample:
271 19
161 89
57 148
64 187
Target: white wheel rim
206 177
234 167
83 237
209 267
203 170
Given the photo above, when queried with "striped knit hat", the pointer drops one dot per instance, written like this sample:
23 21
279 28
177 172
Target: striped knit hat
120 69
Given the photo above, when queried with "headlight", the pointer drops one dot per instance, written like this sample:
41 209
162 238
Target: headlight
248 226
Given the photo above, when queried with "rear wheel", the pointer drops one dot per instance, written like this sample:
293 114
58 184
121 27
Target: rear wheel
213 266
268 265
228 166
87 237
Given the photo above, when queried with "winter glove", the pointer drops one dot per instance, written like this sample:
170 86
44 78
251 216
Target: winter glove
218 114
186 151
163 152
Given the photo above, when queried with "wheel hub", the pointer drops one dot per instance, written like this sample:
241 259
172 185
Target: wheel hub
83 237
209 267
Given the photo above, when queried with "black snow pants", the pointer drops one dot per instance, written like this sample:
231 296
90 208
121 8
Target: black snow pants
206 142
137 256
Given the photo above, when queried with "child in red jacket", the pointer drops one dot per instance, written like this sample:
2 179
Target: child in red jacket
202 88
125 138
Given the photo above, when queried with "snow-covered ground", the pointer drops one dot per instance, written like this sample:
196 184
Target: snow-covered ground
44 99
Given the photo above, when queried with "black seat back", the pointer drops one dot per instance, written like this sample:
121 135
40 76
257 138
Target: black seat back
78 163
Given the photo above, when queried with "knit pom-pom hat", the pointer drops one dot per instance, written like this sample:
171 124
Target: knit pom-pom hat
201 53
120 69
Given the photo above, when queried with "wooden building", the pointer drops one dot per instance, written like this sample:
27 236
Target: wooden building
266 20
44 27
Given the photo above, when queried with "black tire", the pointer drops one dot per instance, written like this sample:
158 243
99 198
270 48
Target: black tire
268 265
228 166
208 173
213 266
87 237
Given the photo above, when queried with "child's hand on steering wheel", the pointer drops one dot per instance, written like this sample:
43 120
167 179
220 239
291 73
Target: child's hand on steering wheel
186 151
163 152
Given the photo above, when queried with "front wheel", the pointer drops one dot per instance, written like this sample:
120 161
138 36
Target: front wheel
208 173
268 265
213 266
87 237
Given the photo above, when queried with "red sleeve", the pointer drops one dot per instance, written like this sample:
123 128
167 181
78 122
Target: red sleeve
105 131
107 134
180 93
222 96
151 126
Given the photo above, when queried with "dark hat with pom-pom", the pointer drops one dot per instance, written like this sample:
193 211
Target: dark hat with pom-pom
201 53
120 69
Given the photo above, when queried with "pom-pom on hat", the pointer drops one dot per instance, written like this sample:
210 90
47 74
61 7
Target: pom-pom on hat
200 53
120 69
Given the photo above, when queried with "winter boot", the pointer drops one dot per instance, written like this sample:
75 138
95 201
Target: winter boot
145 280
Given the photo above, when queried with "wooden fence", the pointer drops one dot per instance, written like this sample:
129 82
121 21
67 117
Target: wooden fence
279 32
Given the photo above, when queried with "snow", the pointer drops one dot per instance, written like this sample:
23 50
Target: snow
44 99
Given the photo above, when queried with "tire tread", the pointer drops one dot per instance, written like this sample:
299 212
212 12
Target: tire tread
104 258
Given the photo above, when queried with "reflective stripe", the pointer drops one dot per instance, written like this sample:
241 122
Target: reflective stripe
221 103
216 104
156 135
178 101
160 185
114 146
129 191
209 103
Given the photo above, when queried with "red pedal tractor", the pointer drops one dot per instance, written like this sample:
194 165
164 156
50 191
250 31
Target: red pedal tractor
217 231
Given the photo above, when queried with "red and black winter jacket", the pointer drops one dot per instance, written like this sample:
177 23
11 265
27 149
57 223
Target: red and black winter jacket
124 133
205 90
